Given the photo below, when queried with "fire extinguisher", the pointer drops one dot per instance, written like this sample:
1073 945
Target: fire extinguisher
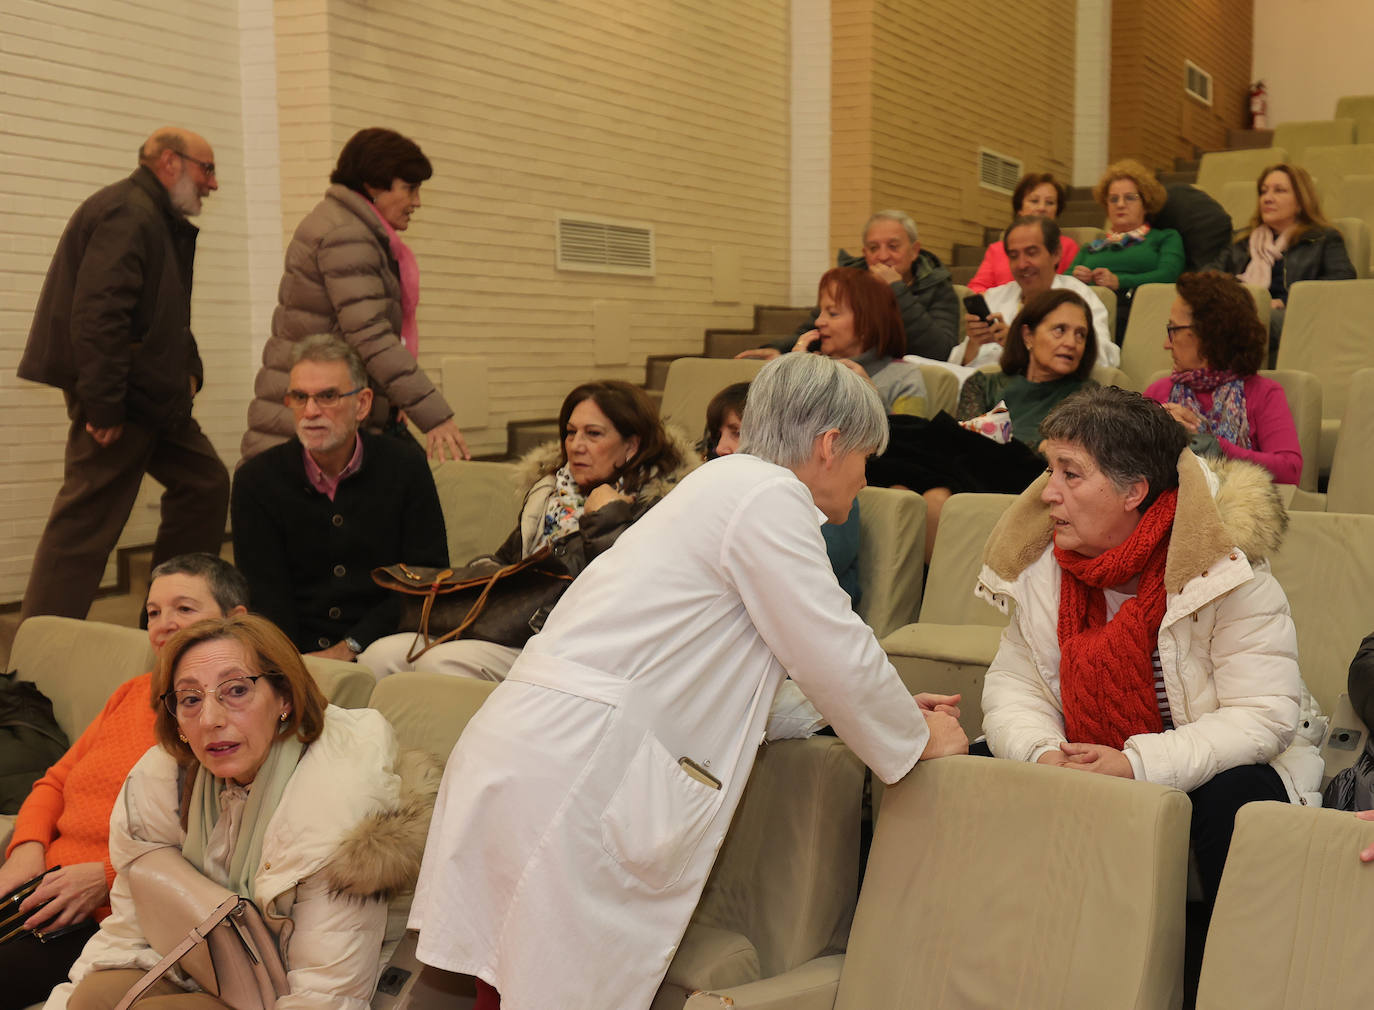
1259 107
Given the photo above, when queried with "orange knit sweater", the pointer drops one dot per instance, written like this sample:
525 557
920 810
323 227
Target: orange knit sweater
68 810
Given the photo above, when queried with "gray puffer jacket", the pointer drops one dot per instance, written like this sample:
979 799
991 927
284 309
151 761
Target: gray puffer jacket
340 278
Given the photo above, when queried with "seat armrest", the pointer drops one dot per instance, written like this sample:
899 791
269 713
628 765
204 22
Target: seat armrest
713 958
973 644
811 986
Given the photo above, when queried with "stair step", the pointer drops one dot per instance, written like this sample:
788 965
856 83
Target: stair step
522 436
965 255
1080 193
1177 178
656 370
962 274
1237 140
1186 164
1086 217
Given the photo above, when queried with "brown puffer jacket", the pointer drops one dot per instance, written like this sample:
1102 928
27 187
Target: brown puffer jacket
340 278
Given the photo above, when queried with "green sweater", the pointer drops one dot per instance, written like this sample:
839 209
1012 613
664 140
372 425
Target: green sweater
1028 402
1157 260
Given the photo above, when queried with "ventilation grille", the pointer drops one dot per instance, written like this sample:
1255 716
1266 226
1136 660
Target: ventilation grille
996 171
1197 82
608 247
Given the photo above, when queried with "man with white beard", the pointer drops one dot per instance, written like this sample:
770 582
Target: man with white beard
112 330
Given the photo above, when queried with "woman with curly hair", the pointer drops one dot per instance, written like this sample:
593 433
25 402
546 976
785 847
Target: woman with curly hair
1132 253
1217 342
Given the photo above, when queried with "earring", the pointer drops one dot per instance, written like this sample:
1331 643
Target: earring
283 717
183 738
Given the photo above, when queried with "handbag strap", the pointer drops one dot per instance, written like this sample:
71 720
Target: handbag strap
196 936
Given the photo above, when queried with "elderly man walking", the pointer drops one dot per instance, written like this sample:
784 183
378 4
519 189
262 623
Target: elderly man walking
112 330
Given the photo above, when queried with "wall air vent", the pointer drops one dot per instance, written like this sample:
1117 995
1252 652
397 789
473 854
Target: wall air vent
1197 82
996 171
599 245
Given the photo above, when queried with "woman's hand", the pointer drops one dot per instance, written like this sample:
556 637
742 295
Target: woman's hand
27 861
604 494
760 353
856 368
1276 303
72 894
946 703
1096 757
994 331
1104 278
1183 416
1082 273
803 343
1367 856
946 736
445 437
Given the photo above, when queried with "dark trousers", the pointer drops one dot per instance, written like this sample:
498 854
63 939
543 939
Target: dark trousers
99 486
1215 803
30 969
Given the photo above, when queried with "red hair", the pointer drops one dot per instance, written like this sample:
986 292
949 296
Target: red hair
877 320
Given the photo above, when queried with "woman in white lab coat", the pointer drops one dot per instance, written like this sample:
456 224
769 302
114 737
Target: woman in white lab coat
583 806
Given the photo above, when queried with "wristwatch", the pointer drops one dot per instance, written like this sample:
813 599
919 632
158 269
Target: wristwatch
352 644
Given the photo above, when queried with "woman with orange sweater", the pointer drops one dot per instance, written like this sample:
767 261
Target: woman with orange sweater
65 822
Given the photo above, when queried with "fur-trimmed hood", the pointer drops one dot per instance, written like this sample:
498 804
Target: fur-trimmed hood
380 857
1222 505
543 460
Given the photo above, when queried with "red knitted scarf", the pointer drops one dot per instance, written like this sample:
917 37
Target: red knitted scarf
1106 677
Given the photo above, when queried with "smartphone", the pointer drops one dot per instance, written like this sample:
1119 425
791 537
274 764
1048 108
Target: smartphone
977 305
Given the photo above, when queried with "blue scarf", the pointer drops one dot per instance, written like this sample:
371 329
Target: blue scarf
1227 418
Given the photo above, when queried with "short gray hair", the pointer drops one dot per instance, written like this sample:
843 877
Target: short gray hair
227 584
900 216
799 397
325 347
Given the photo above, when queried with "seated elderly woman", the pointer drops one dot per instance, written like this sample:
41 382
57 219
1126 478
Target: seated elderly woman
1289 240
1217 342
64 824
1148 638
1038 194
1051 357
270 793
859 324
583 807
1132 253
615 461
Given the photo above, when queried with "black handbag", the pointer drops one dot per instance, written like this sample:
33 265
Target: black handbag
485 600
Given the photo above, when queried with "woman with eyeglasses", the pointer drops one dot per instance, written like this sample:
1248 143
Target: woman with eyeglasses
1218 344
349 273
304 808
1131 253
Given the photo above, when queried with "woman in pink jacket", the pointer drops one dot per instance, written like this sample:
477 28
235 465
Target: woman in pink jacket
1039 194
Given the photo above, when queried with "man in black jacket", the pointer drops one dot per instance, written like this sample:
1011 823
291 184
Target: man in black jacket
314 516
112 330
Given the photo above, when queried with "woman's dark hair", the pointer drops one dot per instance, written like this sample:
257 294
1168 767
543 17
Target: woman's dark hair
632 413
376 157
729 400
1225 321
1016 355
1032 181
1049 232
1129 437
877 320
227 584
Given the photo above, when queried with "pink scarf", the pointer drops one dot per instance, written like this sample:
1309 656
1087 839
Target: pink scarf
1265 251
410 284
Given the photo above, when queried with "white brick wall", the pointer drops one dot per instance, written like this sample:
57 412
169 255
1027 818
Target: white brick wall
1092 90
810 167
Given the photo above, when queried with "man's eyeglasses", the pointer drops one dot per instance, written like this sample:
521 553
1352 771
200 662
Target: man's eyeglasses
296 399
233 694
208 167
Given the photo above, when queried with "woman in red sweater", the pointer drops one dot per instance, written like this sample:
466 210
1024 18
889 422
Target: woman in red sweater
66 819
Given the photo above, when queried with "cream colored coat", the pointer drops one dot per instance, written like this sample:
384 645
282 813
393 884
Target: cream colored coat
330 858
1227 645
568 848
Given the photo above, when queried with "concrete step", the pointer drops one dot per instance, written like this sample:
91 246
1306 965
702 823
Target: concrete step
1186 164
966 255
1081 217
1177 178
522 436
1237 140
656 369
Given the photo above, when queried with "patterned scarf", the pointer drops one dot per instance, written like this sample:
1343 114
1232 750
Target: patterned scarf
1106 674
410 284
1227 418
1119 239
563 512
1265 251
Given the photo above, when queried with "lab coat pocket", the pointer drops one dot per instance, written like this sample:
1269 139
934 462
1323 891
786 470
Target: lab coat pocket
656 816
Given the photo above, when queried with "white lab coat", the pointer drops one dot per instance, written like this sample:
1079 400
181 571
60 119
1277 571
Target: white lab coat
568 848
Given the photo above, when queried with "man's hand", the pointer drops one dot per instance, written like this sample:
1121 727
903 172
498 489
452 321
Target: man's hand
446 438
1099 758
885 273
946 703
604 494
1367 856
946 736
994 331
1104 278
71 894
338 650
105 437
1183 416
760 353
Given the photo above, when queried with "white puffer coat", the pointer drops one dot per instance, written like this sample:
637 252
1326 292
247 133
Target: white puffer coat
1227 645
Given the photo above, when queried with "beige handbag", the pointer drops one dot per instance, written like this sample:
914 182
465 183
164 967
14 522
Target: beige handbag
220 938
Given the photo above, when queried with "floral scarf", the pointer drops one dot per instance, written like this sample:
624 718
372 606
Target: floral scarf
1115 240
410 284
1227 418
563 512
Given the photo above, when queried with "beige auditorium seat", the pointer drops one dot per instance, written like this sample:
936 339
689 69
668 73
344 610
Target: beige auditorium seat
1330 164
348 685
1356 235
961 292
481 505
1142 349
1355 107
1326 332
1083 235
892 534
1355 199
942 389
1293 926
951 646
1021 887
1350 488
1108 298
1326 568
772 923
1238 198
1364 130
693 382
1220 167
1296 136
429 710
